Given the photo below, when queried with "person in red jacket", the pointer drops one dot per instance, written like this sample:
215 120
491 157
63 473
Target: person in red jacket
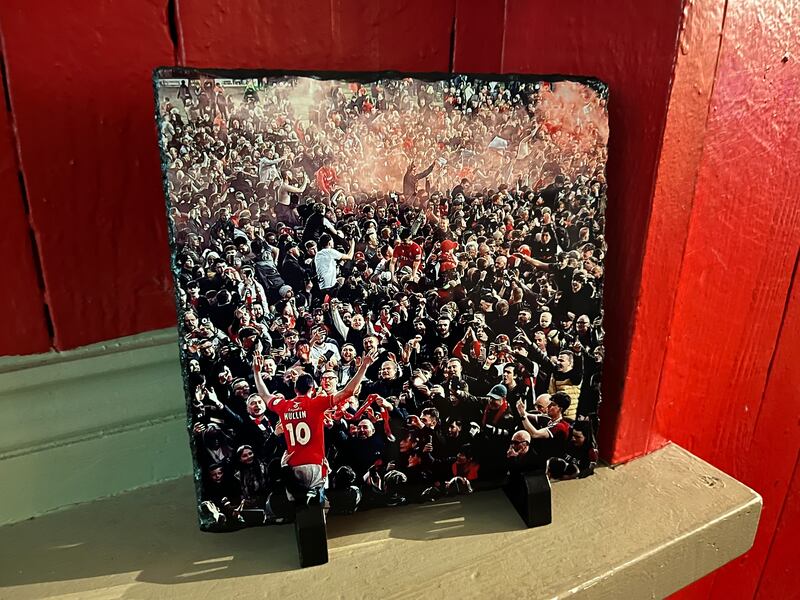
407 253
325 177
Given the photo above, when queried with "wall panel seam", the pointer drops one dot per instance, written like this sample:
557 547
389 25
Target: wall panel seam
23 187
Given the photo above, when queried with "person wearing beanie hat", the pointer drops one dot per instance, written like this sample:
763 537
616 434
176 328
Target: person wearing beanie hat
498 392
292 270
498 423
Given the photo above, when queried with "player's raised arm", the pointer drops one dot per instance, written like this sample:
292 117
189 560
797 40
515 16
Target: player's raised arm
353 384
261 387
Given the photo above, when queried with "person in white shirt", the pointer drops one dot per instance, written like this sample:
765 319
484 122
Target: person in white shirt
322 350
325 262
268 167
252 288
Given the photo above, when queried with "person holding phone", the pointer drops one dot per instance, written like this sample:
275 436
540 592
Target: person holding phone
323 349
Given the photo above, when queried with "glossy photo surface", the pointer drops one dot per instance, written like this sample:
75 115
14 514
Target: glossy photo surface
389 286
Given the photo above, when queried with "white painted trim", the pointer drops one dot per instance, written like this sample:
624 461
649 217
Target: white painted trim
92 422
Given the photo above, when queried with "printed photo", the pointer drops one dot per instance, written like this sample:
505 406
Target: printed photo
389 287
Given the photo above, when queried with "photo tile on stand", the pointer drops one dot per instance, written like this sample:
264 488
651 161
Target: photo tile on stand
389 286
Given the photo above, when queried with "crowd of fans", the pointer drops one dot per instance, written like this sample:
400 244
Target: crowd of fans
452 231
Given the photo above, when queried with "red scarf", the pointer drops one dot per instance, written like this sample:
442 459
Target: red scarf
498 415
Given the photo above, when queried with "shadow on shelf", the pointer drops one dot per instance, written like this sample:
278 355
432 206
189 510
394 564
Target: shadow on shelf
153 531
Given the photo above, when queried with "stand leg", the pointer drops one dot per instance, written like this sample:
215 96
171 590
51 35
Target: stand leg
312 539
529 493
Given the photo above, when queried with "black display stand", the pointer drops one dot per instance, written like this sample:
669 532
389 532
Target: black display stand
312 538
529 493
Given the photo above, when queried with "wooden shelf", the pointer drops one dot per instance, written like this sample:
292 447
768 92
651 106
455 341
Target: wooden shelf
641 530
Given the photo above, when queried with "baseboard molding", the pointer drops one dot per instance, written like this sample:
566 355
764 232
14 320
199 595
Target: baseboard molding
88 423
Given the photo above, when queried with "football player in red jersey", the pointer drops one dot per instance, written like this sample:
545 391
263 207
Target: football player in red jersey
303 418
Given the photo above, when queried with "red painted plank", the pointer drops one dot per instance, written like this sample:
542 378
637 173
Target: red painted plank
313 34
742 243
776 436
22 310
631 46
82 99
771 460
698 590
479 37
678 165
779 576
729 391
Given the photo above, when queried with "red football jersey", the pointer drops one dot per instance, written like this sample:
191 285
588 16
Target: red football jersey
303 427
325 179
407 254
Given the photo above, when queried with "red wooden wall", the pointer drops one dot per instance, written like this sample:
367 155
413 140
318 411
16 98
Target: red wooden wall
23 318
81 102
729 387
702 315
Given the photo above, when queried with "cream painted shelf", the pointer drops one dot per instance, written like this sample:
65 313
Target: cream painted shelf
641 530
